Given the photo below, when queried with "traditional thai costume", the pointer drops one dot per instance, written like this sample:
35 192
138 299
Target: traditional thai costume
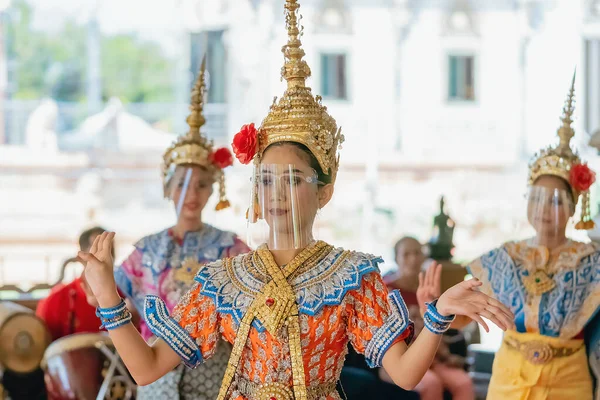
289 325
554 294
164 266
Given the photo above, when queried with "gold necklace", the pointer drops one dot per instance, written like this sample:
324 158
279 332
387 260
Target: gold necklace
539 282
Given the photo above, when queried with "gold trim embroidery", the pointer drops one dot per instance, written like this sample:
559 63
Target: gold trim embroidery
277 290
234 279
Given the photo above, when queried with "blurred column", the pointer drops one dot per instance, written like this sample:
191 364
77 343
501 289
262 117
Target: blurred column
4 5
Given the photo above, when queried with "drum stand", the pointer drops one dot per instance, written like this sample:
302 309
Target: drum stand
111 381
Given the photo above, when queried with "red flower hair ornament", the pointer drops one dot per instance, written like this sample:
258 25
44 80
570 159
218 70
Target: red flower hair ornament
245 143
222 158
581 177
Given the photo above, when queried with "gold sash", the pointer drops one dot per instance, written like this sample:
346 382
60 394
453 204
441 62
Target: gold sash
275 306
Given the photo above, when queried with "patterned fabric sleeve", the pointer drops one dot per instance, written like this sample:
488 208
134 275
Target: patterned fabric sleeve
193 329
495 269
376 321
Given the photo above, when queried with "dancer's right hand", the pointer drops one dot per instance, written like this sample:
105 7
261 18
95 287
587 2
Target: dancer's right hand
98 271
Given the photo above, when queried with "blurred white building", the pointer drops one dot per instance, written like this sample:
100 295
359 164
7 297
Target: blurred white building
435 97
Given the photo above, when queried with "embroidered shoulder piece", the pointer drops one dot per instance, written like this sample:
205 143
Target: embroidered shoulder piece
163 326
561 312
234 282
395 325
159 250
208 243
534 258
231 286
328 282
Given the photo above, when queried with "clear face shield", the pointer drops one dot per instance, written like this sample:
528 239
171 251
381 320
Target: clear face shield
549 211
283 206
189 188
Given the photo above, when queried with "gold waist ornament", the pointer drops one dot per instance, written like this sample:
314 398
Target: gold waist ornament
539 352
280 391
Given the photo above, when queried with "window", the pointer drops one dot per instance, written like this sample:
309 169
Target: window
461 78
334 76
592 85
210 43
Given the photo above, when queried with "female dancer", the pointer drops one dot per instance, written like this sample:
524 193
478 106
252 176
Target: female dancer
164 264
550 283
290 307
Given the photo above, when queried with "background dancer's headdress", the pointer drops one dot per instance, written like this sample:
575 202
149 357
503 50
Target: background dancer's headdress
562 162
195 149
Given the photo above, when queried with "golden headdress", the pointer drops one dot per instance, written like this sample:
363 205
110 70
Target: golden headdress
298 116
562 162
195 149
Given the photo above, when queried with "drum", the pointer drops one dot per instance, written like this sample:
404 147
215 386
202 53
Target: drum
23 338
84 366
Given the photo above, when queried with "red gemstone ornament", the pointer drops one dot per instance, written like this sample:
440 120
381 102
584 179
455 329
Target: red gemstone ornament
269 302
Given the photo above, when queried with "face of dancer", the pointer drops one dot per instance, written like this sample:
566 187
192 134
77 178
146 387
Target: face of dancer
190 188
290 194
549 206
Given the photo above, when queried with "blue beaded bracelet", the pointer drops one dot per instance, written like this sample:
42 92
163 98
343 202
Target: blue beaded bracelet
110 312
436 322
118 322
114 317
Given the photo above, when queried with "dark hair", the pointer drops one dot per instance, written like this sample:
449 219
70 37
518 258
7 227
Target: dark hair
401 242
312 160
84 238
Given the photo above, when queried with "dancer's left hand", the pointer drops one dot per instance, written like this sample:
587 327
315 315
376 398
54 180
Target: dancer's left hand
465 299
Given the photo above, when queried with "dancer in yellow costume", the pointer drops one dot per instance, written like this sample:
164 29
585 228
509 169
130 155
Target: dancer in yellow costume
551 284
291 307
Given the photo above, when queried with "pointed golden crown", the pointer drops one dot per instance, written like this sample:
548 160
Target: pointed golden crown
559 159
193 148
298 116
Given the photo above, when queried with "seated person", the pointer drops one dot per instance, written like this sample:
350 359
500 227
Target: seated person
447 372
66 309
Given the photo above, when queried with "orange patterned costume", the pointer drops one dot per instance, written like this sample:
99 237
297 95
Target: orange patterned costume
338 296
289 326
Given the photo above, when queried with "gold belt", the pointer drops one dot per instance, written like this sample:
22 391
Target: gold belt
539 352
279 391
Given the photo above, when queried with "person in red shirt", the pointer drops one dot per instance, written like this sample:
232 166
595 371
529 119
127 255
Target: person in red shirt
66 310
